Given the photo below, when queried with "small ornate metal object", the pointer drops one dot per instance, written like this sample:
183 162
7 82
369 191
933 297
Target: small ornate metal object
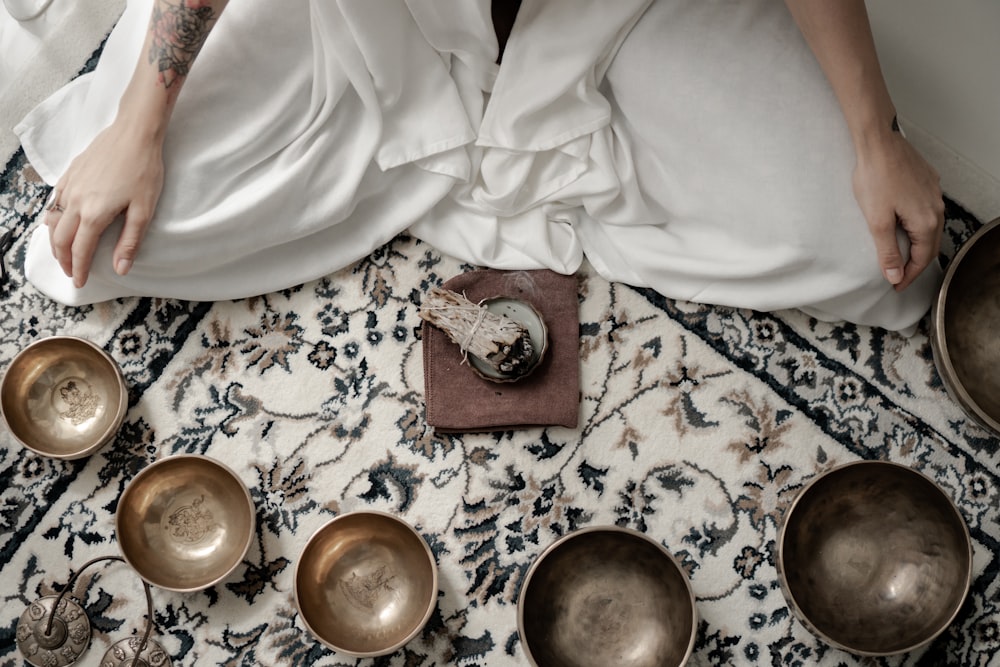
125 653
53 632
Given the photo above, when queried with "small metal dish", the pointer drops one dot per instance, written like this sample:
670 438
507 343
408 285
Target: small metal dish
606 596
965 320
526 315
874 558
366 583
185 522
63 397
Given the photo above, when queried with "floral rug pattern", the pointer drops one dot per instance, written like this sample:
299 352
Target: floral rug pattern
698 427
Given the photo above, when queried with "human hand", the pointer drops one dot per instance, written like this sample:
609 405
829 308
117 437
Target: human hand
121 171
896 187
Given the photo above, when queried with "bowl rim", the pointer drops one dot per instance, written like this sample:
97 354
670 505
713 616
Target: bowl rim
173 458
609 528
939 338
120 411
431 603
779 561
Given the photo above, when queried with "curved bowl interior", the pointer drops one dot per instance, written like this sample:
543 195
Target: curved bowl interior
366 583
185 522
874 558
63 397
966 326
607 596
525 314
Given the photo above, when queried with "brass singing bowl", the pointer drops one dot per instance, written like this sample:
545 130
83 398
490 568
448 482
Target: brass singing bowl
366 584
63 397
185 522
874 558
605 596
965 333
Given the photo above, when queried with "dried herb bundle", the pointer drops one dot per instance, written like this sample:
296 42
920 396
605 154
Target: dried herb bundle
498 340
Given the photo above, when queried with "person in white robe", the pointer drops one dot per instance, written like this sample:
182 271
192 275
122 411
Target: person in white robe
732 153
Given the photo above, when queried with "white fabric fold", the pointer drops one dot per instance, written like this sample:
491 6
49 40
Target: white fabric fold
691 146
273 175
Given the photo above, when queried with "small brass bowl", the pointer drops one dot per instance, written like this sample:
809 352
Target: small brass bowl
63 397
874 558
605 596
965 321
525 314
185 522
366 583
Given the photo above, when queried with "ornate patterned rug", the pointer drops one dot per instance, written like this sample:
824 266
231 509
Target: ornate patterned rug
698 426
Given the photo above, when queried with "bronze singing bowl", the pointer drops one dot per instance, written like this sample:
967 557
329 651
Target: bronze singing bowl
965 335
365 584
605 596
874 558
185 522
63 397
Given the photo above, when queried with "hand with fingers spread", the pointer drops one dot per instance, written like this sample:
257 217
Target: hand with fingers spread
121 171
897 189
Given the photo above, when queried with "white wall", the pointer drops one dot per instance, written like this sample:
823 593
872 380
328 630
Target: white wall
941 61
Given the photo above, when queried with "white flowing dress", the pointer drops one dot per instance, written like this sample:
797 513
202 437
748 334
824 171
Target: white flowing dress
690 146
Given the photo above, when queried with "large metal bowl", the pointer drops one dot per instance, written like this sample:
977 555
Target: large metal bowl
874 558
185 522
965 335
605 596
63 397
366 583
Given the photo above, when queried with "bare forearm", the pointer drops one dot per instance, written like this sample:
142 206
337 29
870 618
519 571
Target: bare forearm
177 31
839 34
121 171
894 186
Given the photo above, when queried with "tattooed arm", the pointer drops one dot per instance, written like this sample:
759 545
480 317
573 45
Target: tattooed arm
121 171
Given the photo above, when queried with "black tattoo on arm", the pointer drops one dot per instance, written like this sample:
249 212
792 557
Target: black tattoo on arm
179 29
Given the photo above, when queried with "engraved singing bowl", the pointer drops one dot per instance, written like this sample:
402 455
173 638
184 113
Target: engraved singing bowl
63 397
605 596
185 522
874 558
365 584
965 332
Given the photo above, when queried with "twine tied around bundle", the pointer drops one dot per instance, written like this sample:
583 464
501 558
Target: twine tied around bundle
498 340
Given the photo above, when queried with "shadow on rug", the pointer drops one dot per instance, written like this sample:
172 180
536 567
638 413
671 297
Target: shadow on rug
698 426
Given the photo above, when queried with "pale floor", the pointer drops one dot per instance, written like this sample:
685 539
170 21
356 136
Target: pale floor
38 56
20 42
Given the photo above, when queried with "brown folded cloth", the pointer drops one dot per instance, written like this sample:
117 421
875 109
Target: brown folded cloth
459 401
